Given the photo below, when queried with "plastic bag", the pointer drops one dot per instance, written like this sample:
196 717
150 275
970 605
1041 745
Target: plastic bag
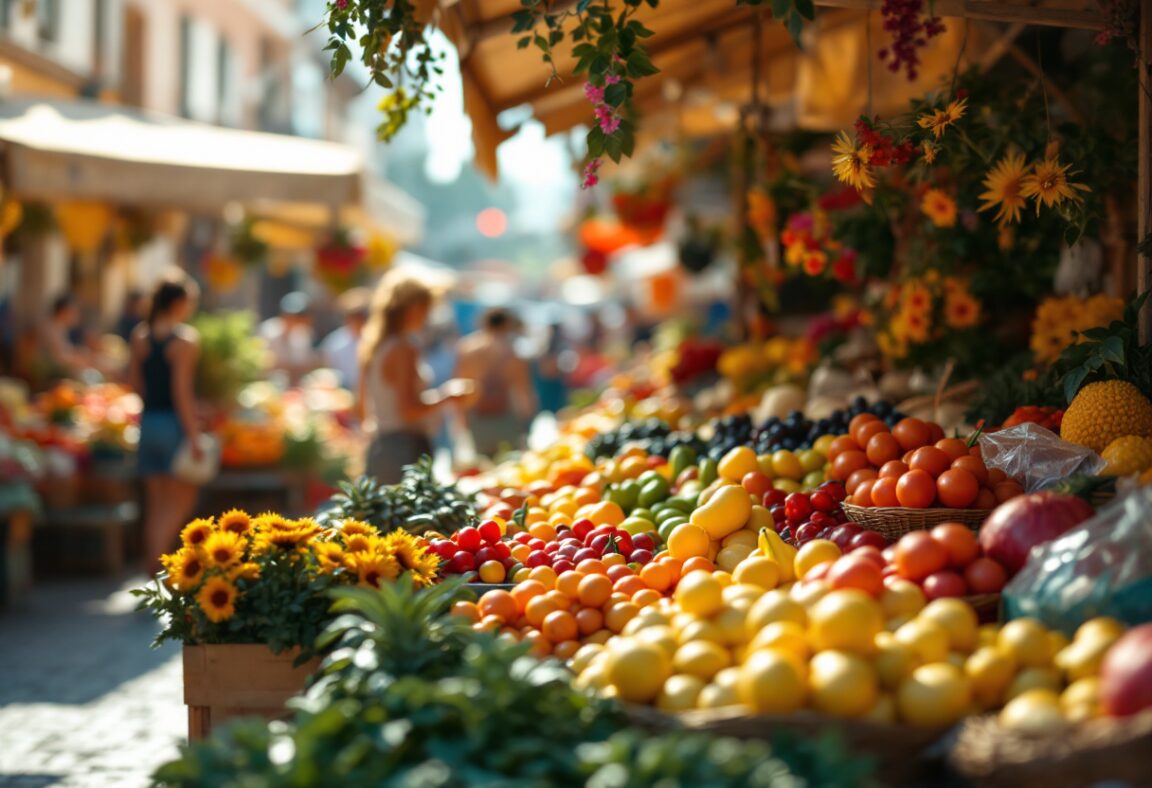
1035 456
1103 567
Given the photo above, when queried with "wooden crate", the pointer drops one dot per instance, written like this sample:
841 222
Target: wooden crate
226 681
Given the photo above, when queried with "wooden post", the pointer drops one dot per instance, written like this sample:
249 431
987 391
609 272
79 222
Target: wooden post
1144 175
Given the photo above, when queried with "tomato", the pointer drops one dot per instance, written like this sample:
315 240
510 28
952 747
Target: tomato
985 499
840 445
960 542
882 448
884 492
944 584
893 469
859 421
862 475
974 466
868 551
985 576
930 459
918 555
916 490
756 483
1007 489
856 571
935 432
953 447
869 431
847 462
995 476
863 493
911 433
957 488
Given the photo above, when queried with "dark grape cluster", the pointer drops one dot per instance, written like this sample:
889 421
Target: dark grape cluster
910 31
728 433
653 435
797 432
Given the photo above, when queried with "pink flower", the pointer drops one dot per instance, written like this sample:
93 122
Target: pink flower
608 121
590 176
595 94
341 5
611 79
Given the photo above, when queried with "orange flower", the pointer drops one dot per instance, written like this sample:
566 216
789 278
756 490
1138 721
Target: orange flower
939 207
961 310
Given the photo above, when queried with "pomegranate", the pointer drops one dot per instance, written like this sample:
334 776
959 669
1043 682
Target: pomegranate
1126 674
1018 525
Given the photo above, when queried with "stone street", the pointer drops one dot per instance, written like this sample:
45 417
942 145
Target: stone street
84 700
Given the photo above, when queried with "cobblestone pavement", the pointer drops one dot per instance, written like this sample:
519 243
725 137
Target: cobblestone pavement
84 700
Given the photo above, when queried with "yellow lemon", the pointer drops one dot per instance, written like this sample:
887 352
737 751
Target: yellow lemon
680 693
662 636
688 541
714 696
816 552
927 640
884 710
774 606
701 658
1081 699
990 669
1033 678
901 598
758 570
729 623
782 635
742 593
841 684
957 618
584 656
894 661
699 629
771 682
845 619
734 465
787 465
700 594
1027 640
934 695
808 594
638 670
1035 712
1101 626
746 536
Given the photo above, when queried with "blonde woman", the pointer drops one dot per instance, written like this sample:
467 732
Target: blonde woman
395 400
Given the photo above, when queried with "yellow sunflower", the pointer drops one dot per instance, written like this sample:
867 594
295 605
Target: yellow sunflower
236 521
309 527
185 568
413 557
939 207
196 532
360 543
270 521
374 568
330 555
350 527
851 164
961 310
941 119
217 599
245 571
224 548
1048 184
1004 183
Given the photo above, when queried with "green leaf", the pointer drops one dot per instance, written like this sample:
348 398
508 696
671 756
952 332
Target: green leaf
781 8
523 42
615 95
1072 383
806 9
795 27
1112 350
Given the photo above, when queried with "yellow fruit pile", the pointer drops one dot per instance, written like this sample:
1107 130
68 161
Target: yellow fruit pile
1126 456
719 642
1105 411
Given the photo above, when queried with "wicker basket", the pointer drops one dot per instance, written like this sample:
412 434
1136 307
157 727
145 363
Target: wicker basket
894 521
987 607
1096 751
897 749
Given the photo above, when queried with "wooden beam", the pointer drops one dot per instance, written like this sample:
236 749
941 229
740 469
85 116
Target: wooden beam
1144 169
1087 19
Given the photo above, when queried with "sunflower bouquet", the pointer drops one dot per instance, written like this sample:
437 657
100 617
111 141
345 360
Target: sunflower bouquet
264 579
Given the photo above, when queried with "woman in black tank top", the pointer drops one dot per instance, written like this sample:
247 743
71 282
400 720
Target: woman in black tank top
164 355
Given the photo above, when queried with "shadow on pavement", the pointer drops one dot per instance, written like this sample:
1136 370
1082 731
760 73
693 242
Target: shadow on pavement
74 641
28 780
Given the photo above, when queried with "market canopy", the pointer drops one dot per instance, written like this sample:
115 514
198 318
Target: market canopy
706 47
84 150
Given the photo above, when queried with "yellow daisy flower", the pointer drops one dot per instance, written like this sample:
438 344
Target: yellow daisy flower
1048 184
245 571
217 599
185 568
350 527
1004 183
236 521
939 207
941 119
413 557
851 164
374 568
359 543
330 556
196 532
224 548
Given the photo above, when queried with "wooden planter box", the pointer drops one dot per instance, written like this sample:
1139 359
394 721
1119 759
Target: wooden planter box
226 681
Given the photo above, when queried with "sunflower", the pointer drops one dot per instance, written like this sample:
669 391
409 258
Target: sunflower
217 599
916 326
941 119
939 207
185 568
235 521
374 568
360 543
961 310
330 555
283 538
1004 183
1048 184
245 571
350 527
917 298
196 532
851 164
224 548
270 521
413 557
309 527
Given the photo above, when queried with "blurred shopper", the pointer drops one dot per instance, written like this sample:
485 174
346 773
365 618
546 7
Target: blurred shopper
340 348
395 398
505 399
164 352
291 338
66 358
135 305
551 391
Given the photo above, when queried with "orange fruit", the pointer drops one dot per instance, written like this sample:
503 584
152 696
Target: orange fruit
594 590
605 513
630 585
488 624
931 460
862 494
467 610
657 576
592 566
545 575
893 469
916 489
688 541
847 462
859 421
561 601
541 646
560 625
646 597
589 620
696 564
912 433
521 552
868 431
883 492
953 447
957 488
542 531
859 477
523 592
618 616
882 447
974 466
499 603
568 584
538 609
840 445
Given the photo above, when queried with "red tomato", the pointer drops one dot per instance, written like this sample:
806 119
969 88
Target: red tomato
840 445
974 466
859 421
854 480
916 489
912 433
985 499
957 488
846 462
893 469
882 448
930 459
918 555
936 432
855 571
953 447
960 542
884 492
862 494
944 584
985 576
869 430
1006 490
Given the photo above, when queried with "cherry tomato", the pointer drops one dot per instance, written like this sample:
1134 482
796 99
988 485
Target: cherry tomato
884 492
985 576
918 555
911 433
930 459
856 571
882 448
957 488
974 466
944 584
960 542
916 489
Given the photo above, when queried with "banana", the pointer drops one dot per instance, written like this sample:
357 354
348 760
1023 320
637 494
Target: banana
774 547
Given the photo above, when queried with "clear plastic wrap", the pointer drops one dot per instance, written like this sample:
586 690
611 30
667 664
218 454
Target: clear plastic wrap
1103 567
1035 456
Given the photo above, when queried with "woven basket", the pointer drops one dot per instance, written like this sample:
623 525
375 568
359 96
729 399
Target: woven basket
897 749
894 521
1096 751
987 607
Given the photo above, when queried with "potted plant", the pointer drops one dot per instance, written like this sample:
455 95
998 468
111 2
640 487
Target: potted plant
247 596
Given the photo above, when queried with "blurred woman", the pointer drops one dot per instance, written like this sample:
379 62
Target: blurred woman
395 399
164 352
506 400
